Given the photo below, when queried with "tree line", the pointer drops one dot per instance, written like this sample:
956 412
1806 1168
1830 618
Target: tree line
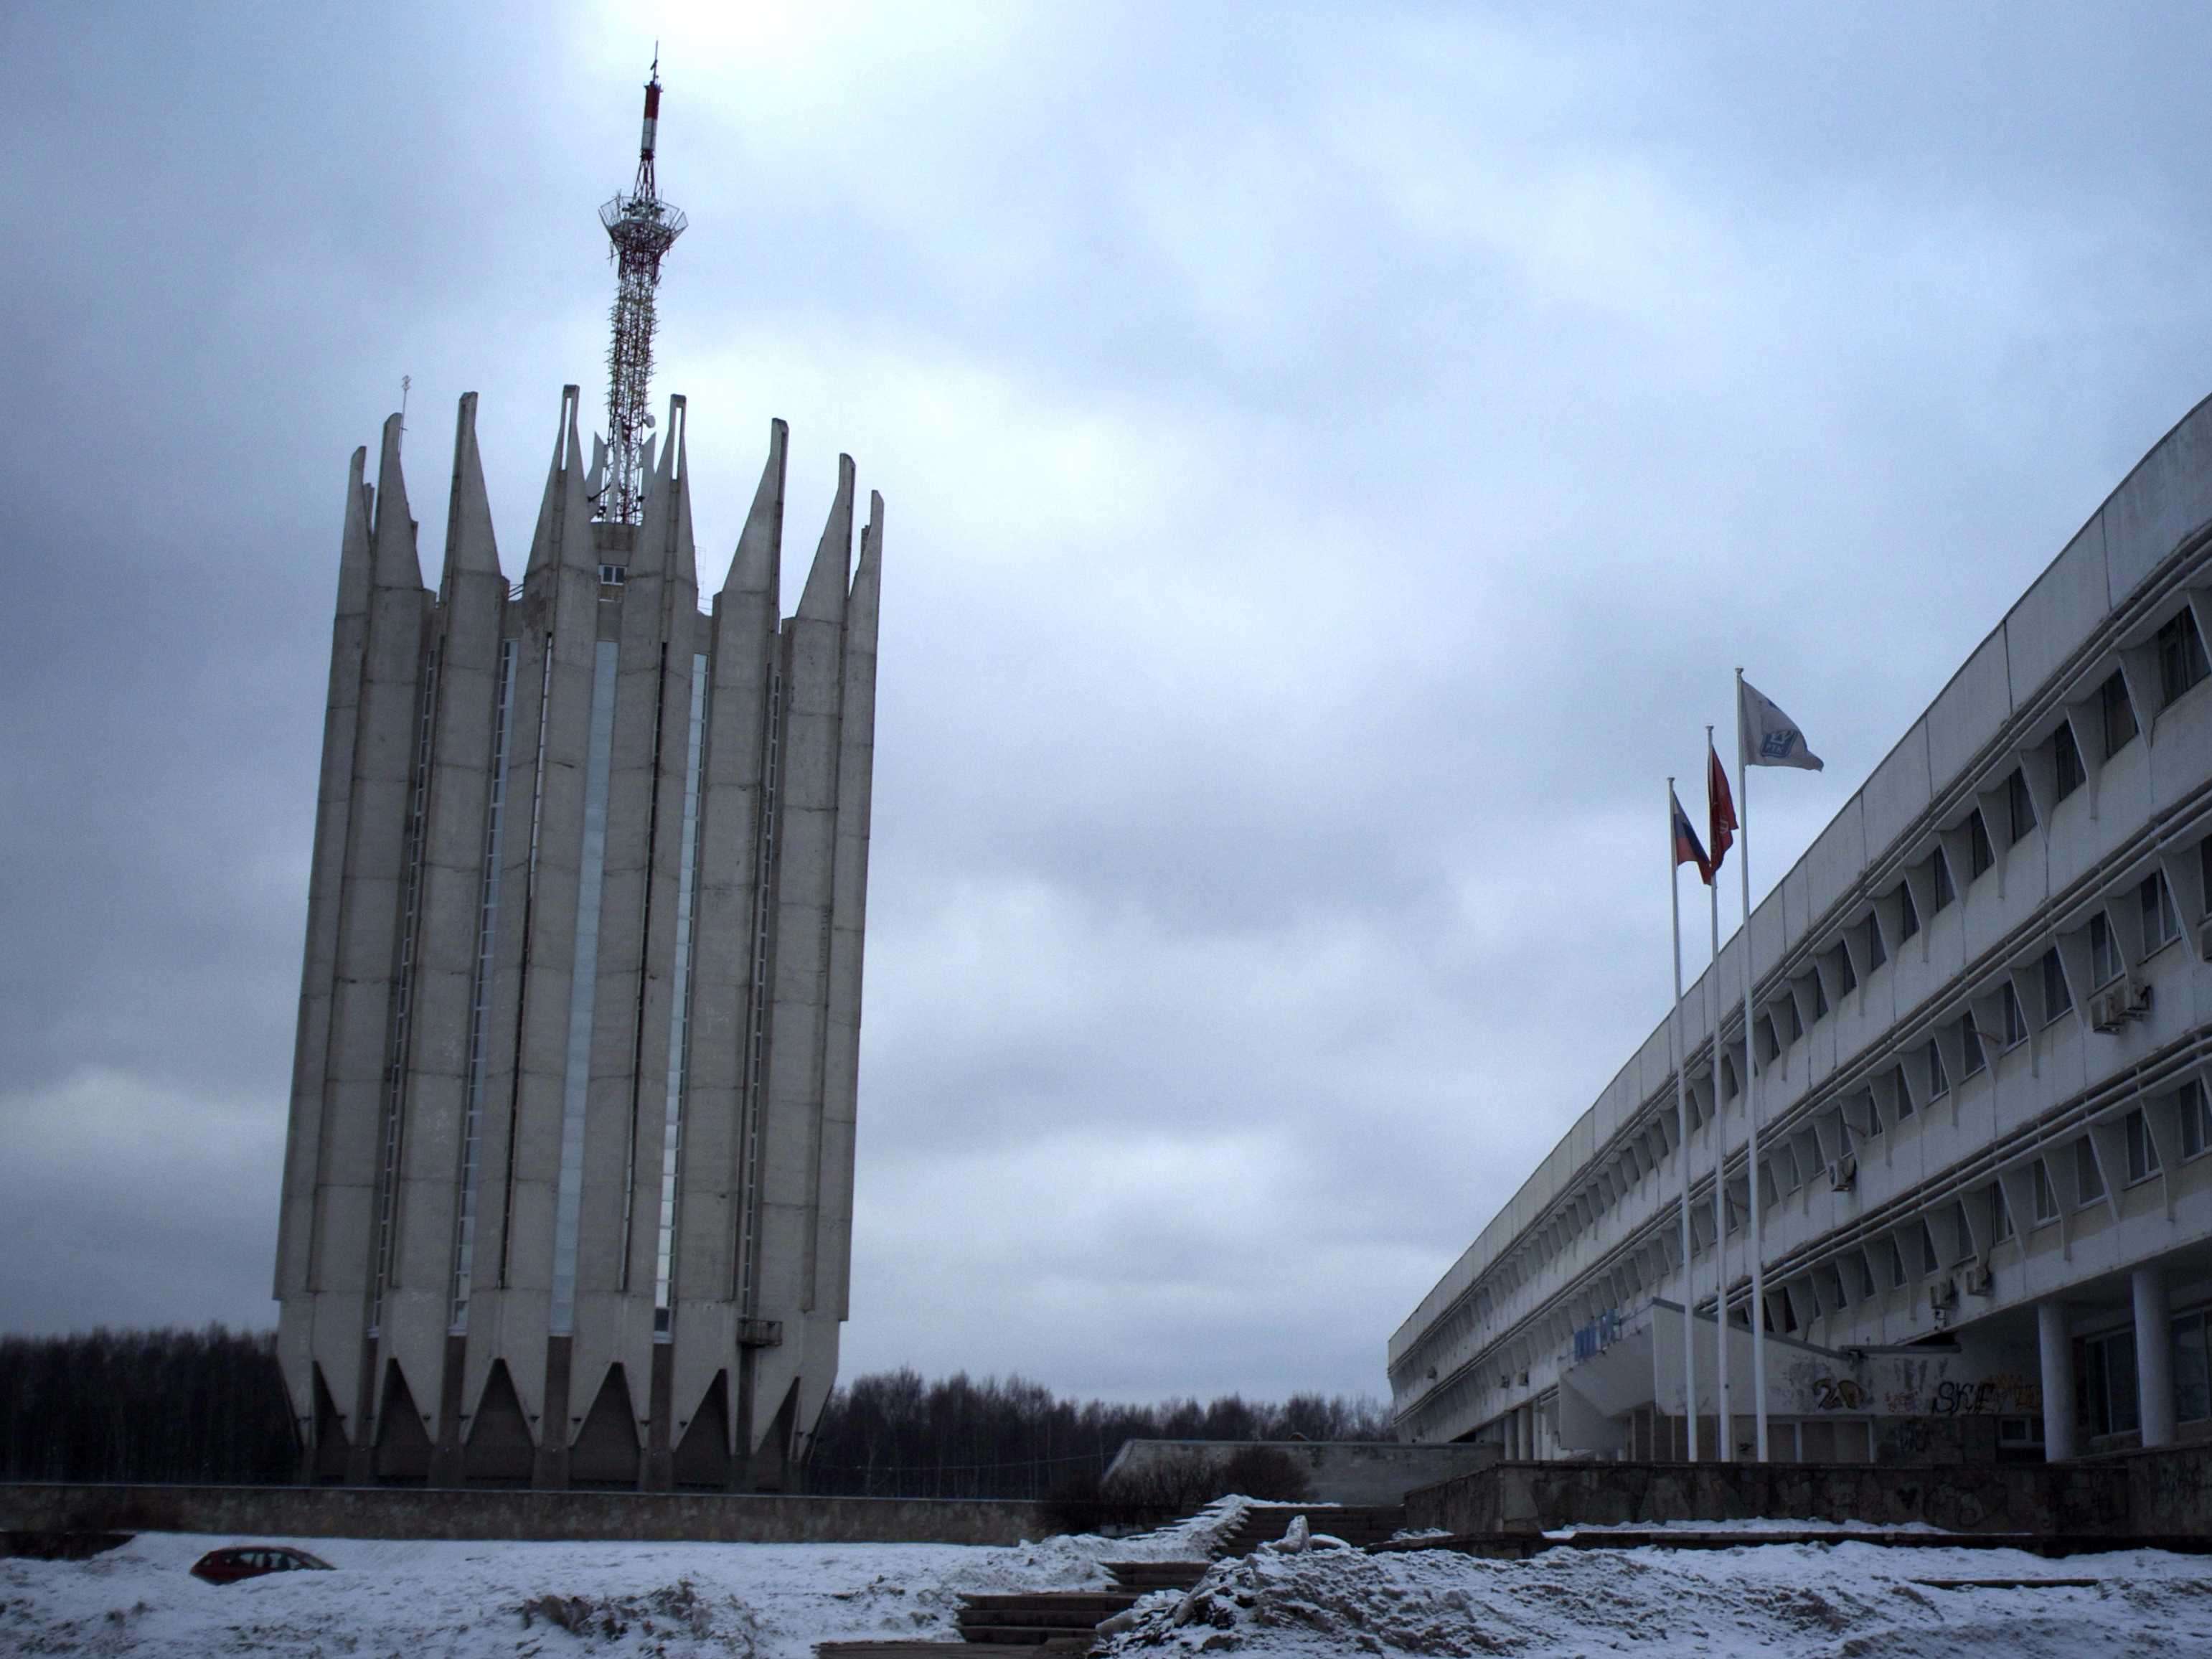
209 1407
145 1405
890 1434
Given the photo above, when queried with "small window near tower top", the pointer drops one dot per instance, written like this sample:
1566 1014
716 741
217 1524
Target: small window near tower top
613 575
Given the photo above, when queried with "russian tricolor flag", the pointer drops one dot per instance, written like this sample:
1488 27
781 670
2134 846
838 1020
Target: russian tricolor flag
1688 849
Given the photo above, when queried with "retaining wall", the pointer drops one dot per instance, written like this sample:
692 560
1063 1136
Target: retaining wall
2071 1498
416 1512
1336 1471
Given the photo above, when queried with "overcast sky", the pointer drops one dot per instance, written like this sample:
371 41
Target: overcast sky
1334 457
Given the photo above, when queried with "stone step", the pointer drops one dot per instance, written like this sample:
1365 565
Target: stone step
1157 1575
1051 1621
915 1649
1101 1602
989 1638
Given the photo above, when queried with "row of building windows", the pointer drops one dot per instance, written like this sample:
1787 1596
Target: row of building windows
1948 1237
1962 1045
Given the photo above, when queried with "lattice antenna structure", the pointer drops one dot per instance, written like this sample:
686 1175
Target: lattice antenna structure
641 229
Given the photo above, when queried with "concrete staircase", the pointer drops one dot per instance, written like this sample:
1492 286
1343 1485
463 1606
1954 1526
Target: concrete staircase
1358 1525
1025 1625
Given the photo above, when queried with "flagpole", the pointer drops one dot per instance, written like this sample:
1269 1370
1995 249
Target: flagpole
1751 1096
1682 1121
1726 1449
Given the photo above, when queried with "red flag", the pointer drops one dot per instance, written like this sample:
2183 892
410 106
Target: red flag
1721 804
1686 850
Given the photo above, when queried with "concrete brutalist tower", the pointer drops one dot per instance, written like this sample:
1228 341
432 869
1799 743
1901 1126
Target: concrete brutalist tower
568 1190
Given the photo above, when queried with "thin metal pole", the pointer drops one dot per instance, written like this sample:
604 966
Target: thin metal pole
1683 1125
1726 1435
1751 1086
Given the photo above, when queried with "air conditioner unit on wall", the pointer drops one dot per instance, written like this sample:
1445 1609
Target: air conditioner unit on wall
1978 1279
1943 1293
2118 1003
1844 1173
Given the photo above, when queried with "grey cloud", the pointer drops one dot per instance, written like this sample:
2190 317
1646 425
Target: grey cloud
1332 473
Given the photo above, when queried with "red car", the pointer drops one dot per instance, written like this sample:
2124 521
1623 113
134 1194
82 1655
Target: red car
226 1566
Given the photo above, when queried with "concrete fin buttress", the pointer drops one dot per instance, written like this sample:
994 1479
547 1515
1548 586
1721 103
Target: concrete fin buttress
755 567
393 562
471 548
353 549
823 598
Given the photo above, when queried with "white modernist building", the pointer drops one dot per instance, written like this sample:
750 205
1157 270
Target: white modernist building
1983 1023
568 1190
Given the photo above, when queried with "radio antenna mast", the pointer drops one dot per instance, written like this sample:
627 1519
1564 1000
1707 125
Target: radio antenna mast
641 229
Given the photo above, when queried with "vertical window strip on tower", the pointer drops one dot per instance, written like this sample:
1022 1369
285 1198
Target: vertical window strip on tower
644 963
522 993
745 1288
402 987
679 1007
464 1222
582 1000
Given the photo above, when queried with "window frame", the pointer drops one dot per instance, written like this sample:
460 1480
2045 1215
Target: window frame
2020 807
2113 703
2144 1162
1981 850
2194 1109
2181 661
2090 1188
2069 773
2057 1007
2155 895
2043 1191
2104 950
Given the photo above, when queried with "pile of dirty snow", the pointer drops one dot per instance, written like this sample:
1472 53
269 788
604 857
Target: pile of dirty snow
1774 1599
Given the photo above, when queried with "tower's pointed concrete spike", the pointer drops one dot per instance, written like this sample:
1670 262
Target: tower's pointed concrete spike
393 562
544 550
596 480
650 556
470 547
759 558
353 549
676 466
646 476
867 580
577 549
824 596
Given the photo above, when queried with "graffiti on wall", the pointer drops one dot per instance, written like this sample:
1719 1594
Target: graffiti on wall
1838 1394
2004 1394
1924 1390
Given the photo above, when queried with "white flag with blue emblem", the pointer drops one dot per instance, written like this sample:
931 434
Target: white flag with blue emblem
1771 737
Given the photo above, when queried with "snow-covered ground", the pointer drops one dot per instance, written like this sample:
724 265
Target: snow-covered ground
430 1600
467 1601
